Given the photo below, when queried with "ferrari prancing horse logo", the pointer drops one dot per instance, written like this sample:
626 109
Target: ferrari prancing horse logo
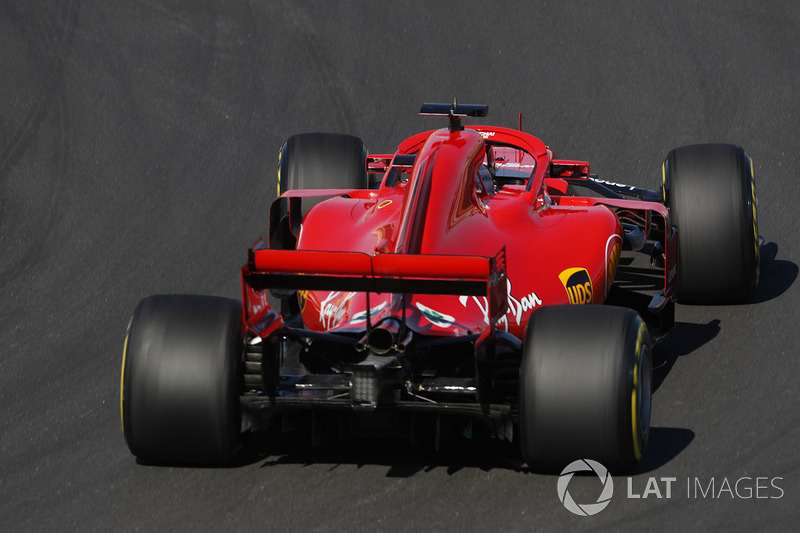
578 285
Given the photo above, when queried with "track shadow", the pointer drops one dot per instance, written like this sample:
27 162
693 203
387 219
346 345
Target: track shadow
663 446
776 275
775 279
684 339
270 449
404 461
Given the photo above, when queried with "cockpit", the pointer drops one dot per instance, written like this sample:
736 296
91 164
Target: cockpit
509 165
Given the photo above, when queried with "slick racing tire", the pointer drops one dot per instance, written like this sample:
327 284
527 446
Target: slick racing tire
181 379
322 161
314 161
711 194
585 387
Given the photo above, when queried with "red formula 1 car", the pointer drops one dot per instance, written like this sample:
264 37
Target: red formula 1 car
461 279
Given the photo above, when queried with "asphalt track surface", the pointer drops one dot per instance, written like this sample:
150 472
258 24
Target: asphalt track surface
138 145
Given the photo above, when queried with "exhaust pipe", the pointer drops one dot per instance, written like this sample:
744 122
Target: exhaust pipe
384 338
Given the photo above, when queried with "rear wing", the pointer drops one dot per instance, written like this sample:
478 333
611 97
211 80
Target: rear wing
381 273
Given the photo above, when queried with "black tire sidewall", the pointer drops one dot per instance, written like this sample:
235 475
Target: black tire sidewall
313 161
181 379
576 386
710 191
322 161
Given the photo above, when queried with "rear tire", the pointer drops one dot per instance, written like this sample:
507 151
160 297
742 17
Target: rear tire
585 387
322 161
181 379
710 191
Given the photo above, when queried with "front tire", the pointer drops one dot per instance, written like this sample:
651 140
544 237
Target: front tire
315 161
181 379
710 191
585 387
322 161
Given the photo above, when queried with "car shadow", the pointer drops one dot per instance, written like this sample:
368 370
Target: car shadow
684 339
776 275
270 450
664 445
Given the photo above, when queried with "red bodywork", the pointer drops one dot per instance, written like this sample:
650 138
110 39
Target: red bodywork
436 225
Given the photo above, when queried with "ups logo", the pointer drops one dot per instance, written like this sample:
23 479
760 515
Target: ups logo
578 285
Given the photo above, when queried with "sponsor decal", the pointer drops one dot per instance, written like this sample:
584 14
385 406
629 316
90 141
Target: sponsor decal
384 203
302 297
435 317
257 305
612 184
578 285
256 301
333 308
672 273
516 306
517 165
486 134
613 260
361 316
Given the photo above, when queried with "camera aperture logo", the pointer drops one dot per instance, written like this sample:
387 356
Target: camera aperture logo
585 509
744 487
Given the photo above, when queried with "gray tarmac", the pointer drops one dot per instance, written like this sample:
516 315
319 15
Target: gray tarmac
138 155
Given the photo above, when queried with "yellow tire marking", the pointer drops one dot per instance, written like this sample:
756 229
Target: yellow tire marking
755 218
122 376
280 156
637 446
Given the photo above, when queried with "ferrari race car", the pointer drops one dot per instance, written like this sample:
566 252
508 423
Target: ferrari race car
469 277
